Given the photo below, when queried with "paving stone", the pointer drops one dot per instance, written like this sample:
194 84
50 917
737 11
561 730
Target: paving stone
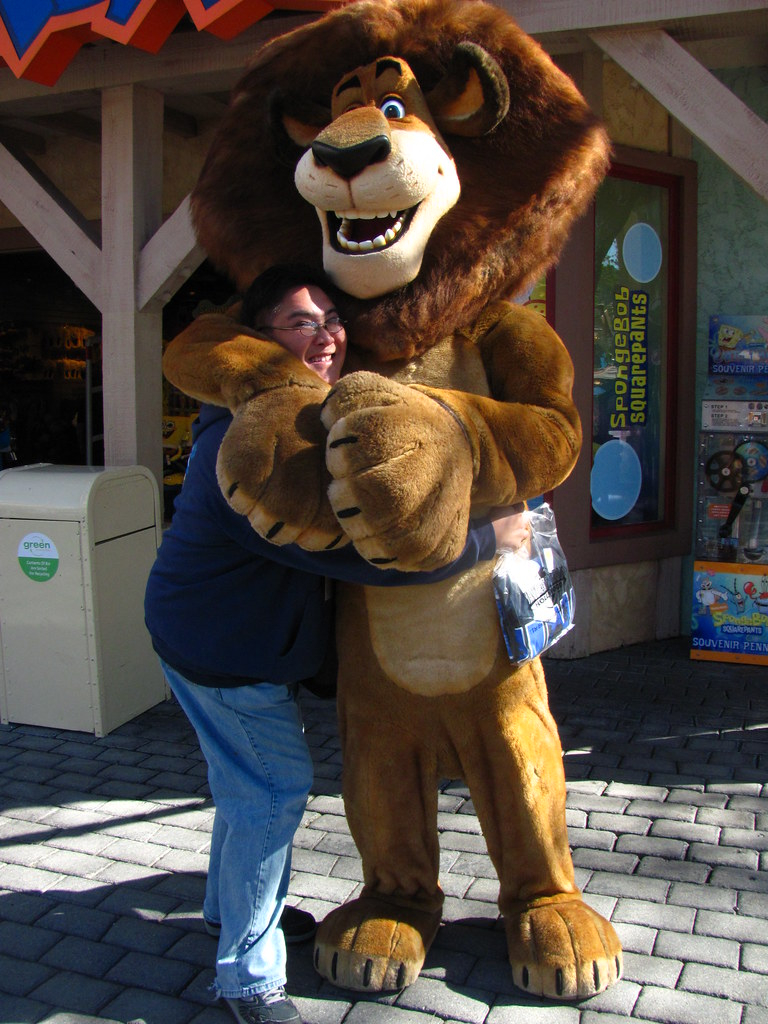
314 861
755 1015
76 992
129 902
753 904
709 896
740 986
25 855
72 862
164 975
25 941
701 949
673 870
481 942
20 977
726 817
142 936
141 1004
457 823
475 864
462 842
28 879
352 868
685 830
730 926
652 846
742 837
336 890
82 956
468 909
671 918
124 872
374 1013
426 995
676 1007
84 922
512 1011
603 860
656 809
584 838
749 881
657 970
754 958
340 843
608 884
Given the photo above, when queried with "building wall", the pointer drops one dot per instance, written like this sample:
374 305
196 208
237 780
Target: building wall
733 228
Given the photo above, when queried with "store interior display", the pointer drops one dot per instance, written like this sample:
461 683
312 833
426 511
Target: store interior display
50 368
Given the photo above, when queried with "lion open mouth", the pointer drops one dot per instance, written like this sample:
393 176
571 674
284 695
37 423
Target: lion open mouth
352 231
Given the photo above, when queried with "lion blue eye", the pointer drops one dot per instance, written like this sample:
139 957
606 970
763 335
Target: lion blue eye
392 108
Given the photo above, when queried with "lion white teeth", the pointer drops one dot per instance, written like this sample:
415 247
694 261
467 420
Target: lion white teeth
363 215
380 241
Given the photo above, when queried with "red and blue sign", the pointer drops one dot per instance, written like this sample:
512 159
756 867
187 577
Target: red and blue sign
38 38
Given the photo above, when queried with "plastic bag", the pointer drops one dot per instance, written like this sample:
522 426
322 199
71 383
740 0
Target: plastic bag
533 590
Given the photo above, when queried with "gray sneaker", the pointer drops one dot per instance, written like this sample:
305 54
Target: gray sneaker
270 1008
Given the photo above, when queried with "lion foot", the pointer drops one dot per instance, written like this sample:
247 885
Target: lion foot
560 948
370 945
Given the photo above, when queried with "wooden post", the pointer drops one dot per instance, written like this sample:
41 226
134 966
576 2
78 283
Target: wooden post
132 180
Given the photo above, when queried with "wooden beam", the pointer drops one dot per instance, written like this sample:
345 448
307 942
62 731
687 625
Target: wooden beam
543 16
56 224
695 98
170 256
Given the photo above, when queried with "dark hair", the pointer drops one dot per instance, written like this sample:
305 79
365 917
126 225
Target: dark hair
267 290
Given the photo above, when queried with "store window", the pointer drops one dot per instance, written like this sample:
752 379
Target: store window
636 295
624 297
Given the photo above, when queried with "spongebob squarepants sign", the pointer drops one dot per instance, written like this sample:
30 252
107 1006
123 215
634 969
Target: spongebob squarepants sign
38 38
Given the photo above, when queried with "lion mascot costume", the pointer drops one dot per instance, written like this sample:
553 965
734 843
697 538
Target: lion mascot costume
432 158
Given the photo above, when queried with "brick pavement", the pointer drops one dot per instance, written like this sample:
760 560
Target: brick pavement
103 853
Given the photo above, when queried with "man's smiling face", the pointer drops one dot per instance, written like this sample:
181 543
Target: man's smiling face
324 352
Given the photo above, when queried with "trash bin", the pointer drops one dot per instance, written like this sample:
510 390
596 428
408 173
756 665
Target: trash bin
76 547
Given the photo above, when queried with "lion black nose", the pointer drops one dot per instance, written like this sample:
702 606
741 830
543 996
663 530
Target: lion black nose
347 161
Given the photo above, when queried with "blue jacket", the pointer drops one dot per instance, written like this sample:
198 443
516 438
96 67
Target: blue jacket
225 607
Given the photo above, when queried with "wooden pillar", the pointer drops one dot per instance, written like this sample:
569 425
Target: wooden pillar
132 178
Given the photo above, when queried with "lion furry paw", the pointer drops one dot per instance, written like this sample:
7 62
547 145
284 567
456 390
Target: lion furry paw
372 946
560 948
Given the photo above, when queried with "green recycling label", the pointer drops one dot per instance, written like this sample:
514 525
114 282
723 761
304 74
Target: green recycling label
38 557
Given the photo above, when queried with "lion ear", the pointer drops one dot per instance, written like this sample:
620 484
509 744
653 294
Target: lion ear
472 98
295 122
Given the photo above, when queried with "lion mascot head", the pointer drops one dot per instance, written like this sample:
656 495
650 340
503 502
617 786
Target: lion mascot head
430 153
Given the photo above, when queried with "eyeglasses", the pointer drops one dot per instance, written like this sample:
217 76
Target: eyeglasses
309 328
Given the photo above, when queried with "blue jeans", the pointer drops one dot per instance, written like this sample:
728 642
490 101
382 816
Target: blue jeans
259 772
